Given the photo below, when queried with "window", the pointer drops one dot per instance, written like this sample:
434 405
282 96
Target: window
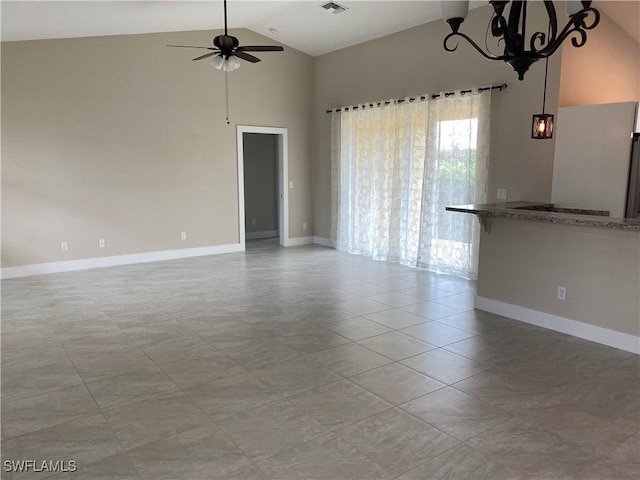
395 169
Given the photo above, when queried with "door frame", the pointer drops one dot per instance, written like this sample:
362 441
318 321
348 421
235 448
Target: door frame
283 179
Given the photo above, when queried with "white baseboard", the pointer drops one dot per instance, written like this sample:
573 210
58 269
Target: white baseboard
294 242
263 234
325 242
116 260
612 338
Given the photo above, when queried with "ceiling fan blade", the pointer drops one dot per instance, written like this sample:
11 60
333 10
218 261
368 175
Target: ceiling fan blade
261 48
204 56
247 57
189 46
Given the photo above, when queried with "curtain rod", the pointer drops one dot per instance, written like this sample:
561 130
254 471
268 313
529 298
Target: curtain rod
412 99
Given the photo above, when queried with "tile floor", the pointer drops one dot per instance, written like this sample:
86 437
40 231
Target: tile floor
301 363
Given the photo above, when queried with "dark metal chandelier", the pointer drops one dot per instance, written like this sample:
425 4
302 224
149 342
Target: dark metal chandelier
513 30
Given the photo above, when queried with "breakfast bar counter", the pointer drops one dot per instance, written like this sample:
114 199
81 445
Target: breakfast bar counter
571 270
547 212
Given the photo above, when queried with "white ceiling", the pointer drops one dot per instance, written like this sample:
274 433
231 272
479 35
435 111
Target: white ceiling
300 24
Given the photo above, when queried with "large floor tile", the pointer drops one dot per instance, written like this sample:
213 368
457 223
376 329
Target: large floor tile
261 353
461 462
229 337
625 455
362 306
457 301
46 410
339 404
145 422
248 473
437 333
396 299
96 343
190 372
396 440
177 349
396 318
141 335
456 413
425 292
84 441
476 321
396 383
33 357
327 458
444 366
196 323
313 341
202 453
534 452
130 387
357 328
492 348
54 375
431 310
396 345
291 378
109 364
115 467
232 395
266 431
597 432
348 360
510 394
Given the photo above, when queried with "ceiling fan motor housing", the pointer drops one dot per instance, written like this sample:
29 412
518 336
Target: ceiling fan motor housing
226 43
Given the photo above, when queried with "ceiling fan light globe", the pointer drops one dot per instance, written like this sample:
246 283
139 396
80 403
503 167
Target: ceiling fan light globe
217 62
231 64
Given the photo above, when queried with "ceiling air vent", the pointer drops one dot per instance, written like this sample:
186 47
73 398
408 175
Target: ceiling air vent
333 7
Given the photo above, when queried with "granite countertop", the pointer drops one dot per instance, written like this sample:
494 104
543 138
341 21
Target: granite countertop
541 212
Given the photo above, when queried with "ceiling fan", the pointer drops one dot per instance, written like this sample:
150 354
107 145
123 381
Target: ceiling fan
226 47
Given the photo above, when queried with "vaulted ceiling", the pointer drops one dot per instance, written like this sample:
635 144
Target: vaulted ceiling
303 25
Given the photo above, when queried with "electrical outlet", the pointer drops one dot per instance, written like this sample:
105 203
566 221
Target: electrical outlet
291 184
502 194
183 235
562 293
253 222
304 226
64 247
101 243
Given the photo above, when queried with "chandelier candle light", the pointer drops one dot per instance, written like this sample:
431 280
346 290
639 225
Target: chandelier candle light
513 31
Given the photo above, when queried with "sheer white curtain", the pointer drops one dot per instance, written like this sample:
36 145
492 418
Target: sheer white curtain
378 169
394 170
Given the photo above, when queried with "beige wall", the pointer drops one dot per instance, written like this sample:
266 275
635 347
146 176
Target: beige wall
605 70
592 171
260 182
523 263
124 139
413 62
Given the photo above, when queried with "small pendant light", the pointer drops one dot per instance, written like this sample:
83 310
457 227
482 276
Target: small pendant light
542 127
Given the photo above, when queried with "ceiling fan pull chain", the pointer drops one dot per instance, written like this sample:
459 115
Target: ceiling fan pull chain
226 94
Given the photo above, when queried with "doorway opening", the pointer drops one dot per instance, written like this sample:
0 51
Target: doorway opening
262 178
